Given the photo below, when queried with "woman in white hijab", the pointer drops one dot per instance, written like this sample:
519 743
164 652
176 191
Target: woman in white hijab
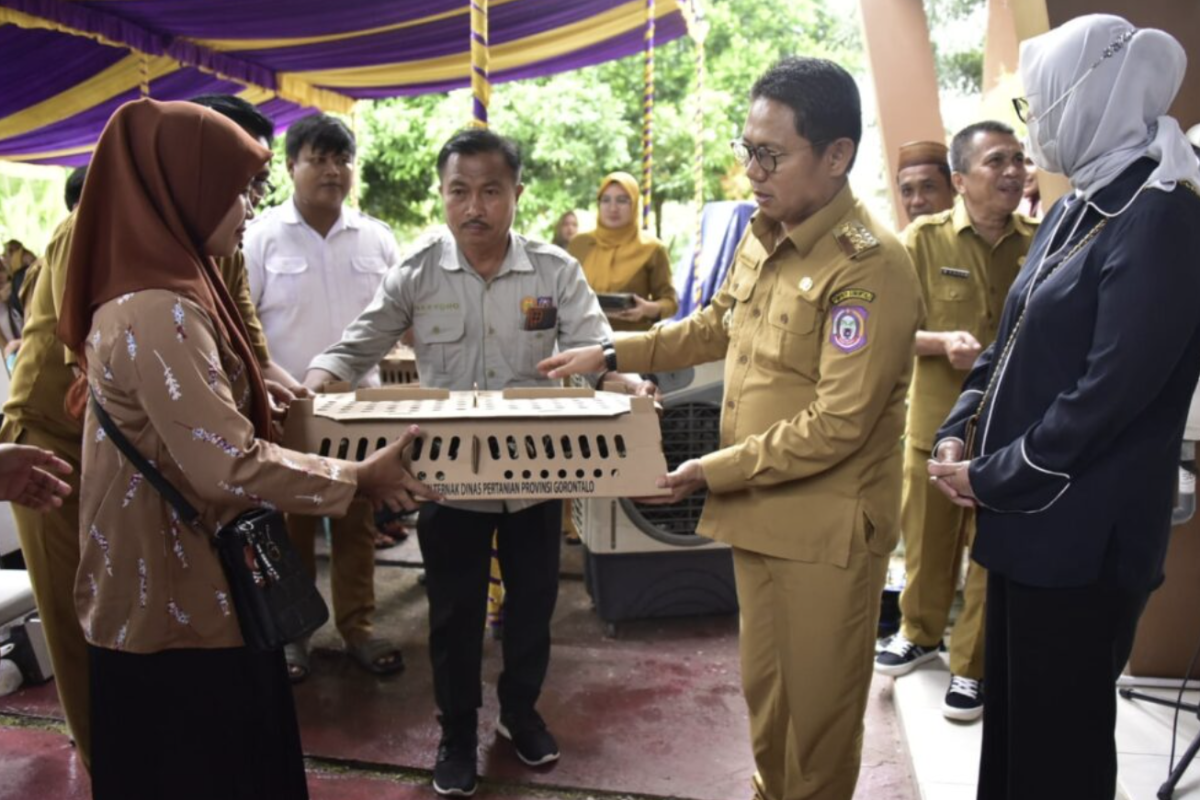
1066 437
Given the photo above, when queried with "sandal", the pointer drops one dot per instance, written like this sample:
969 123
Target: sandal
377 656
298 661
383 541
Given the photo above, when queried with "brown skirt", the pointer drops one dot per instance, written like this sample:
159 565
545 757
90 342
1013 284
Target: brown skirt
194 725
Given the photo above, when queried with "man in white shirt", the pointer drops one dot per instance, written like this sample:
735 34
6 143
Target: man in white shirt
313 265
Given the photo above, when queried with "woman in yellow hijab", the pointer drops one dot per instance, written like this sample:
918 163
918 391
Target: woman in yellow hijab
620 258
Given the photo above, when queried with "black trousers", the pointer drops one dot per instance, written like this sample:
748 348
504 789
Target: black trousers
1052 660
456 546
194 725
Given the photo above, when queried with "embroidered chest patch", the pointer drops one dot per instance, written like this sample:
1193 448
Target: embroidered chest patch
849 328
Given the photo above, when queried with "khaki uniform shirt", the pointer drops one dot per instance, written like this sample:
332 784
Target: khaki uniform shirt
43 372
42 376
817 336
651 281
964 282
148 582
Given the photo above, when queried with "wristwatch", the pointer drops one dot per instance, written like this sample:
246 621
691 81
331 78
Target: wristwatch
610 354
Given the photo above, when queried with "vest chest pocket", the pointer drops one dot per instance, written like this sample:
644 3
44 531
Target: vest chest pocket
791 338
438 342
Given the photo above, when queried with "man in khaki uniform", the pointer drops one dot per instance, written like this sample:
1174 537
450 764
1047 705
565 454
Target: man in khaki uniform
923 179
815 324
966 259
35 415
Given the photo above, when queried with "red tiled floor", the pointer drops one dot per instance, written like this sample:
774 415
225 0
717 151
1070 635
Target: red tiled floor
40 764
657 711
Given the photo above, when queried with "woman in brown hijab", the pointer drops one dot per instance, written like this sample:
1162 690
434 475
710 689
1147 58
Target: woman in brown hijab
180 707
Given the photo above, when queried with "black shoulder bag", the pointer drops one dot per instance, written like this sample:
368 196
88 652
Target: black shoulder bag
275 598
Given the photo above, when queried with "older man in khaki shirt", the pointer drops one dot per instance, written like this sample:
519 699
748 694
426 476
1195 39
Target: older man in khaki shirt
966 259
815 324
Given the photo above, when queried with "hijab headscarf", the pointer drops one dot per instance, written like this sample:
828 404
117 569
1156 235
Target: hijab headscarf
161 179
619 251
1117 113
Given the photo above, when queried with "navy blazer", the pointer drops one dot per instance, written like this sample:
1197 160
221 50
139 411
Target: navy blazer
1078 446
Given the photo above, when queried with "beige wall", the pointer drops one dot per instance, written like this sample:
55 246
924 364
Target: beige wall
1180 18
906 90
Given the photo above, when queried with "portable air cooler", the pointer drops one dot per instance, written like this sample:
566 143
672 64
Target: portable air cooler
644 561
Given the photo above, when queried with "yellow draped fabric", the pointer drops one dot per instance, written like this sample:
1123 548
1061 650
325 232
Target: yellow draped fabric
225 45
509 55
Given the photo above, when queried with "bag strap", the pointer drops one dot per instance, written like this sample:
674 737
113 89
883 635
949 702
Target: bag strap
186 510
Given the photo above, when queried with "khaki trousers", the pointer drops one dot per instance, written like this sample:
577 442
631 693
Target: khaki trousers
351 565
807 645
50 544
935 533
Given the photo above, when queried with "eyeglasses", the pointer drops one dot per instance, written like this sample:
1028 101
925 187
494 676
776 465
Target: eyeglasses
768 159
259 188
1021 105
620 199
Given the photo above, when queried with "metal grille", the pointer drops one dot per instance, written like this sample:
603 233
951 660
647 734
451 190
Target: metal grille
689 430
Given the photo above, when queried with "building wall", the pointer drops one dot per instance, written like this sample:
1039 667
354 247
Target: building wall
1180 18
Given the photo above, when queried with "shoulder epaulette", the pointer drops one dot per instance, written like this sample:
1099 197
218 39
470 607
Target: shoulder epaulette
854 238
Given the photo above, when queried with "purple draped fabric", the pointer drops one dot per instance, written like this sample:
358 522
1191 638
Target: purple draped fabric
40 64
33 66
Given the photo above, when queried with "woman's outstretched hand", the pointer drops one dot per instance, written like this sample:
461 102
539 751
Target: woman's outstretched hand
384 479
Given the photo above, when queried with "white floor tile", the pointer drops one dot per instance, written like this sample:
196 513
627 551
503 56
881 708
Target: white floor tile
1140 776
947 791
945 755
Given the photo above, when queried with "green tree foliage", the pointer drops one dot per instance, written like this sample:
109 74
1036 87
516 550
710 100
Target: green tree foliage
576 127
958 60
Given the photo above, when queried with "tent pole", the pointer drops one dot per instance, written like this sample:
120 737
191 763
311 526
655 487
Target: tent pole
481 88
698 29
647 117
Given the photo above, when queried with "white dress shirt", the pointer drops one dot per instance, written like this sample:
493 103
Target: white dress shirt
308 288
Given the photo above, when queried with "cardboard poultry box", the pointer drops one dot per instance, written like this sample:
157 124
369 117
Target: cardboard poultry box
399 367
519 443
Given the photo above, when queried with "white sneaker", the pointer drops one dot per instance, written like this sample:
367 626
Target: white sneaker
901 656
964 699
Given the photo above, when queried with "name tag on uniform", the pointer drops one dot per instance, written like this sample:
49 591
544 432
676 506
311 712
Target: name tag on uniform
951 272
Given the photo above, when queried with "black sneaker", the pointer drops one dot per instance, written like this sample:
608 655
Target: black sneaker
902 656
454 774
964 699
534 744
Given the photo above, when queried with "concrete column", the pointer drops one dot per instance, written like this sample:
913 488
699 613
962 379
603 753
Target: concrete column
1000 46
906 89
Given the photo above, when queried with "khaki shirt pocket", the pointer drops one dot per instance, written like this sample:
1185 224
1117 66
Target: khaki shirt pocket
287 278
791 339
741 289
954 305
438 342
